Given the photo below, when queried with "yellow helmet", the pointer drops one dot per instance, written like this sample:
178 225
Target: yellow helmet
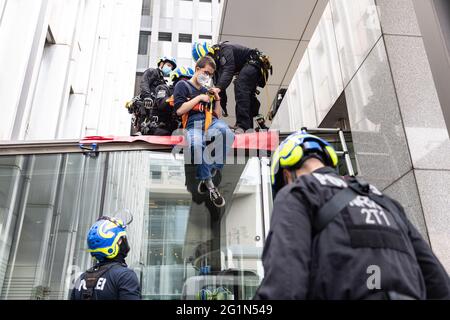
295 150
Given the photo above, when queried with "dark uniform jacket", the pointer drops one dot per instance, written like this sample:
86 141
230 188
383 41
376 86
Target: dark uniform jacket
151 78
362 242
230 60
118 283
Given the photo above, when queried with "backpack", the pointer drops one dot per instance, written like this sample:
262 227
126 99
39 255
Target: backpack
262 62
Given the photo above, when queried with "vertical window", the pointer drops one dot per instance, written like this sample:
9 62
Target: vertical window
146 7
143 43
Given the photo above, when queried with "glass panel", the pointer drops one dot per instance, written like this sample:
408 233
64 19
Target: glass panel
180 242
146 7
300 98
357 30
325 70
146 22
143 44
378 136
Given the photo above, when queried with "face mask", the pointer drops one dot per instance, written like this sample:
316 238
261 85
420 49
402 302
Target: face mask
166 70
203 79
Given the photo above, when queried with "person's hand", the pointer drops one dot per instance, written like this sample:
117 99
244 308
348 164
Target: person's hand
215 92
203 98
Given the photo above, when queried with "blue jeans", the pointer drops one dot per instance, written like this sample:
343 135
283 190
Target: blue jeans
197 138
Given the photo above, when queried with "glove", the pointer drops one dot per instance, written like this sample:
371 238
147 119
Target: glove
148 102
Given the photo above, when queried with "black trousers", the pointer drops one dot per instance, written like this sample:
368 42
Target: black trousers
247 105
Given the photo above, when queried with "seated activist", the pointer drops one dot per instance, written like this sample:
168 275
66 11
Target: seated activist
200 114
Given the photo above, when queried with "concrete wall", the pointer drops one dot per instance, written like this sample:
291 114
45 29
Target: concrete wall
67 67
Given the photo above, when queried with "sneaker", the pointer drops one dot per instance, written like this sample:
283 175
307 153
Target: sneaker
216 198
202 189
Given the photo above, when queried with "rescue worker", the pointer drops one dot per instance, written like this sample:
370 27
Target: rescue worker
252 69
141 105
109 278
153 77
336 238
200 114
163 119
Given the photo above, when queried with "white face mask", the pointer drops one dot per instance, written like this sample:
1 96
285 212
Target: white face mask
204 80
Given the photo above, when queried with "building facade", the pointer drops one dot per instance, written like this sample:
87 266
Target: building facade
67 67
169 27
367 68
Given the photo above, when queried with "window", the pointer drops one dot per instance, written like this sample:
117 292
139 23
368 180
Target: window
184 37
165 36
146 7
203 36
49 38
143 42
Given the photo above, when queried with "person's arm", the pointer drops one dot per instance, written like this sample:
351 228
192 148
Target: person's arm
217 103
287 251
227 69
218 109
147 79
188 105
129 288
437 280
162 95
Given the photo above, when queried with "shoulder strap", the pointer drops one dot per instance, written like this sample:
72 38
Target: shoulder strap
339 201
190 88
92 276
332 208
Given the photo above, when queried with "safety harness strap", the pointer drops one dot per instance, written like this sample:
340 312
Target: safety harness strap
359 234
92 277
332 208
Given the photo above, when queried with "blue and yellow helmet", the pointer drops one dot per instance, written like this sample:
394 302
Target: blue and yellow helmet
294 150
200 50
181 72
103 238
165 59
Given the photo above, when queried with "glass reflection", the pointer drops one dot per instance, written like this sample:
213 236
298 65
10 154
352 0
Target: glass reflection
357 30
181 244
325 70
